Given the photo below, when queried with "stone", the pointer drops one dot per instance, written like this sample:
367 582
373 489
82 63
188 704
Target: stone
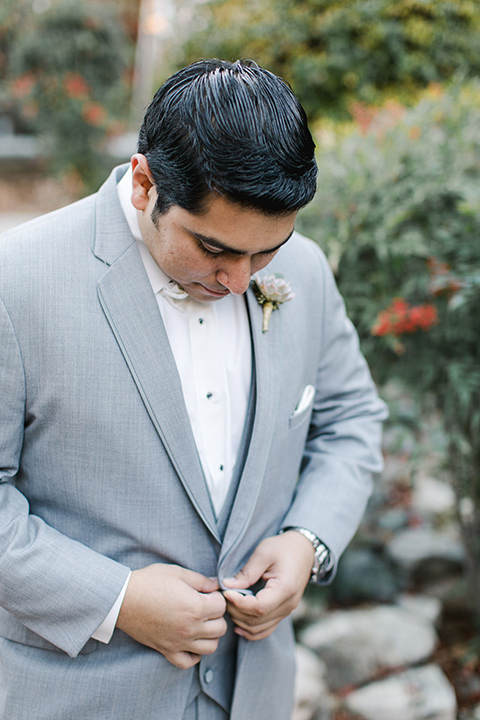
426 554
312 606
358 644
431 496
395 469
425 605
312 701
393 519
365 575
416 694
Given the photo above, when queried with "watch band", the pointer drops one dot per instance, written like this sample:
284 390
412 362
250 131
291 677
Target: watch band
322 560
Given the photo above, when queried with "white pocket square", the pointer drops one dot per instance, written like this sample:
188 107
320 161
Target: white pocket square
305 401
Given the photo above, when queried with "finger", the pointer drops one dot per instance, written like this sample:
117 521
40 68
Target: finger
199 582
203 646
183 660
250 622
266 601
252 571
212 629
214 605
255 625
252 637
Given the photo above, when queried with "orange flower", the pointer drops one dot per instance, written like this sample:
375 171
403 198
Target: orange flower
94 114
23 85
402 319
75 86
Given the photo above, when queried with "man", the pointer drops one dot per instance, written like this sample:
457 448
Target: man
159 453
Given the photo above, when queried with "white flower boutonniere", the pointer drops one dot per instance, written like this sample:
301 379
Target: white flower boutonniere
271 291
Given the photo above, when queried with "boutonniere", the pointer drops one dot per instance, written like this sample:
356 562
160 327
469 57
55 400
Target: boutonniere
271 291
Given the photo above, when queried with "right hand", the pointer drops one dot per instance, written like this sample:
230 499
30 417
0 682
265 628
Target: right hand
175 611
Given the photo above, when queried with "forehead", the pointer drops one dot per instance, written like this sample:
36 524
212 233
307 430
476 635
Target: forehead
233 227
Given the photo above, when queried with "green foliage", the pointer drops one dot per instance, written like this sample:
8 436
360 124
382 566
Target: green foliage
398 212
336 51
67 73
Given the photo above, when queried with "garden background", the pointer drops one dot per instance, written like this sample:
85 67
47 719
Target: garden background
393 99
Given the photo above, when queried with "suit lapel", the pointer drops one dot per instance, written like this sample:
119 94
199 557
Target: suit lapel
133 315
267 355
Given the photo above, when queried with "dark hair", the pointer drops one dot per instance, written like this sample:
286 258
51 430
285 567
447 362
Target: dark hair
230 128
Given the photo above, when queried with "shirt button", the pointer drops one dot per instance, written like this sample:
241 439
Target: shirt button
209 395
201 321
208 677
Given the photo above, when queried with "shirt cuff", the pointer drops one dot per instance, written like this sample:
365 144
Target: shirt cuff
104 631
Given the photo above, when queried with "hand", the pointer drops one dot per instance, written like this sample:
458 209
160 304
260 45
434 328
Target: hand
175 611
285 562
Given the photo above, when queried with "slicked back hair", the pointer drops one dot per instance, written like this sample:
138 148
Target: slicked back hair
229 128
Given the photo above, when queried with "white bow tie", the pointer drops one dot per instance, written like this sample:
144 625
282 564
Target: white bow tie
175 295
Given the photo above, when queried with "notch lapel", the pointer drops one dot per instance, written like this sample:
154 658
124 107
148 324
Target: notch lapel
132 312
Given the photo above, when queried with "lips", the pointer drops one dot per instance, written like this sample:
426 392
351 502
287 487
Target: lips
216 293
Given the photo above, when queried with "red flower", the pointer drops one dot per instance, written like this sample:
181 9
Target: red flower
94 114
23 85
402 319
75 86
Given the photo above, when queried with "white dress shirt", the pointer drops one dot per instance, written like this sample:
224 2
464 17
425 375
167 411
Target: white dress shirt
211 345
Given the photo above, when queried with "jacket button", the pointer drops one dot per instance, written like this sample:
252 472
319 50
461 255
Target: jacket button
208 677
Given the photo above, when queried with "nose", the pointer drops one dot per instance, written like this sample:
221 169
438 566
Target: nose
235 274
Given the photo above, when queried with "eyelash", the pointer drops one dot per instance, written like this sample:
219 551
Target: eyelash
208 252
211 253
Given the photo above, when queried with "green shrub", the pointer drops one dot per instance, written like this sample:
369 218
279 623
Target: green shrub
398 212
68 76
334 52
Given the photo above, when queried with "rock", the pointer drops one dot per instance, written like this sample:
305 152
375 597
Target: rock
393 519
312 606
424 605
312 701
357 644
432 496
416 694
427 555
395 469
365 575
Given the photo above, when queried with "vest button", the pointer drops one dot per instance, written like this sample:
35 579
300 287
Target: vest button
208 677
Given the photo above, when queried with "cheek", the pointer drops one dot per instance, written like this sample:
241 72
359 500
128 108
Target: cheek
261 261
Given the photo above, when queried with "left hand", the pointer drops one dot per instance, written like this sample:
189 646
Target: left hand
285 563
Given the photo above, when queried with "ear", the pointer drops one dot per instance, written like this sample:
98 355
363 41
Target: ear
142 182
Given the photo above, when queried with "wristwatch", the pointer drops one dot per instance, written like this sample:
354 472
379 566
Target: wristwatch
322 560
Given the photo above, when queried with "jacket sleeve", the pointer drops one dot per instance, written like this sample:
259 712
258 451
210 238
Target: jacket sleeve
343 446
57 587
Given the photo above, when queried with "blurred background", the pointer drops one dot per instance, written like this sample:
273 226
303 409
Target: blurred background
392 93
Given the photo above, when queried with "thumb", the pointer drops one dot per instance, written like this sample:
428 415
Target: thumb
251 573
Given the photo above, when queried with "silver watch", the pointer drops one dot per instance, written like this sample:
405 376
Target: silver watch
322 560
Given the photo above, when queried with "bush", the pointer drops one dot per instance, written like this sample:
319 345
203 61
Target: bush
398 212
336 51
68 77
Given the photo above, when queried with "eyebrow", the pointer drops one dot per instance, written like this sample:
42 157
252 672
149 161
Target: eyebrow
226 248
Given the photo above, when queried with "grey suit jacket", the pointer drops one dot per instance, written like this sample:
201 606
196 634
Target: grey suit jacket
100 473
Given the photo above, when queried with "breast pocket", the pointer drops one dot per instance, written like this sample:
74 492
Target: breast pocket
304 406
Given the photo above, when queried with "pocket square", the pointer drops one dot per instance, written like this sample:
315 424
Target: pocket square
305 401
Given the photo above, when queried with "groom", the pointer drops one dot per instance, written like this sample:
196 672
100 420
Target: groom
171 477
